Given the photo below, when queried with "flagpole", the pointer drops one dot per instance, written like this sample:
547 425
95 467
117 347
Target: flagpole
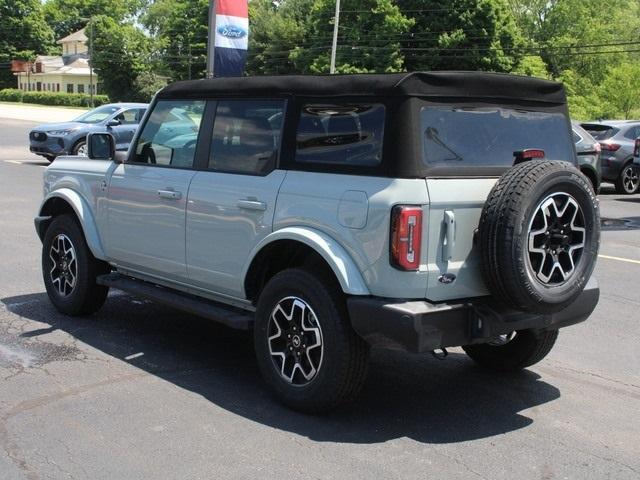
211 41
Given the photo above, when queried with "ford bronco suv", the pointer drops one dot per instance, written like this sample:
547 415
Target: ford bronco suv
329 214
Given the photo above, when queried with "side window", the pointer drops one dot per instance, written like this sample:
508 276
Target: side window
633 133
128 117
170 135
246 136
348 134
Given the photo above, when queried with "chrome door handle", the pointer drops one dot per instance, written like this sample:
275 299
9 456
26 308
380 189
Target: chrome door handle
449 235
171 194
252 205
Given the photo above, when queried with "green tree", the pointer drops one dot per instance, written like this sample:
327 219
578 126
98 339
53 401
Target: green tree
621 88
68 16
122 53
23 34
276 30
574 31
531 66
368 40
462 35
180 26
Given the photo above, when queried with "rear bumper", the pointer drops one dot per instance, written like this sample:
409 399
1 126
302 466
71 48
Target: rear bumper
419 326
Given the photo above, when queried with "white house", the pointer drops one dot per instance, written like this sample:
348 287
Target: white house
68 73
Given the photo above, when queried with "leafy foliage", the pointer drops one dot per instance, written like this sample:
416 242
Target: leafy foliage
23 32
68 16
121 54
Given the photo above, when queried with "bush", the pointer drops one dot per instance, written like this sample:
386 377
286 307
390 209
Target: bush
11 95
51 98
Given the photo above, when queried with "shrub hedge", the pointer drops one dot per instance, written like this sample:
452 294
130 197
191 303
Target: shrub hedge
51 98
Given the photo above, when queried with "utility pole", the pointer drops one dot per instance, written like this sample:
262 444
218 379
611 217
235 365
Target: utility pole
334 44
211 41
90 62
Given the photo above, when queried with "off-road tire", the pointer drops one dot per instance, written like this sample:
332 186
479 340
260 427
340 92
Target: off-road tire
86 296
527 348
504 231
622 182
344 365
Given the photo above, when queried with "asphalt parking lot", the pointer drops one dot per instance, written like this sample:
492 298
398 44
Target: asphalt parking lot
139 391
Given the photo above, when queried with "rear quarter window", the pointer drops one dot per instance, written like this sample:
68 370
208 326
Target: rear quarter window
340 134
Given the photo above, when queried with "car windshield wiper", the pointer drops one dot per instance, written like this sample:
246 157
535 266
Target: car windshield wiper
432 134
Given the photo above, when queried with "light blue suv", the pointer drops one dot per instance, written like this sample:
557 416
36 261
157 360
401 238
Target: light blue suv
329 214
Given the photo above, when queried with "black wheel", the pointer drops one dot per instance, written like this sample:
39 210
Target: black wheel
514 351
80 148
70 270
308 354
628 181
539 236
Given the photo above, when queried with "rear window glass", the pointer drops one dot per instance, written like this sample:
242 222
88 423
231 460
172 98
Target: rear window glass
348 134
600 132
490 136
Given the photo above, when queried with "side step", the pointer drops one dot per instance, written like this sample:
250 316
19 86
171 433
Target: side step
230 316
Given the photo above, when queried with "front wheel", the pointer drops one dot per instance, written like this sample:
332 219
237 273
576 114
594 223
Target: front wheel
307 352
628 181
80 148
69 269
515 351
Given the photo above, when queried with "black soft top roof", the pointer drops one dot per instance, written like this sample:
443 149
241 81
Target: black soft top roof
472 85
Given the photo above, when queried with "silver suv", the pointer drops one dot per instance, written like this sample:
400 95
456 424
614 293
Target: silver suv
330 214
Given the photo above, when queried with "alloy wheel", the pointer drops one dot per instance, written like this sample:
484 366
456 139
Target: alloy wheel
295 341
630 179
556 239
64 269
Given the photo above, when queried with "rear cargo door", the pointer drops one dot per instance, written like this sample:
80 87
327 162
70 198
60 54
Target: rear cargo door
453 259
466 148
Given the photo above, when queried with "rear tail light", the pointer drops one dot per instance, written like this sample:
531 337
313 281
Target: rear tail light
528 154
406 237
598 148
636 149
610 147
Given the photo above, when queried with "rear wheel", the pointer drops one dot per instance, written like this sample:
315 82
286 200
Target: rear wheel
308 354
514 351
628 181
69 269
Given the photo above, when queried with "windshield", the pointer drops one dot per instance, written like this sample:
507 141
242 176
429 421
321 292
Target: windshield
489 136
97 115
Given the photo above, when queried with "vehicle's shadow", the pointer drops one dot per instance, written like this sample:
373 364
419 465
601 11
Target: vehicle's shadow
415 396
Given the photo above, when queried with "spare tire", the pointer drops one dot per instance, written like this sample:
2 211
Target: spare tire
539 236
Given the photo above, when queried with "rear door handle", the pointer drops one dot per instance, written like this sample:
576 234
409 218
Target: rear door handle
170 194
252 205
449 235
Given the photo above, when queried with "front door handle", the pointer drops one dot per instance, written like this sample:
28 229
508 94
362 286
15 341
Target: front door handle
252 205
170 194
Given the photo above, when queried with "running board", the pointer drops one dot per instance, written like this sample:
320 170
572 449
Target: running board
229 316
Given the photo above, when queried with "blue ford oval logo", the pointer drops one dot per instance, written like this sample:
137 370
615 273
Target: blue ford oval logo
232 31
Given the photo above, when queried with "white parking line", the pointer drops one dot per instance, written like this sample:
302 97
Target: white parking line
620 259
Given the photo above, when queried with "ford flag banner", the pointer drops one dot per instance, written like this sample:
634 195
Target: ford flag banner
232 35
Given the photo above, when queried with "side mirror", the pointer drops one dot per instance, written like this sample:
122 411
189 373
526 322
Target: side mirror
113 123
101 146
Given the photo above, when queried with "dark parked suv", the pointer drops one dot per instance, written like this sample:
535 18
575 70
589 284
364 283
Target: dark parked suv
617 139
